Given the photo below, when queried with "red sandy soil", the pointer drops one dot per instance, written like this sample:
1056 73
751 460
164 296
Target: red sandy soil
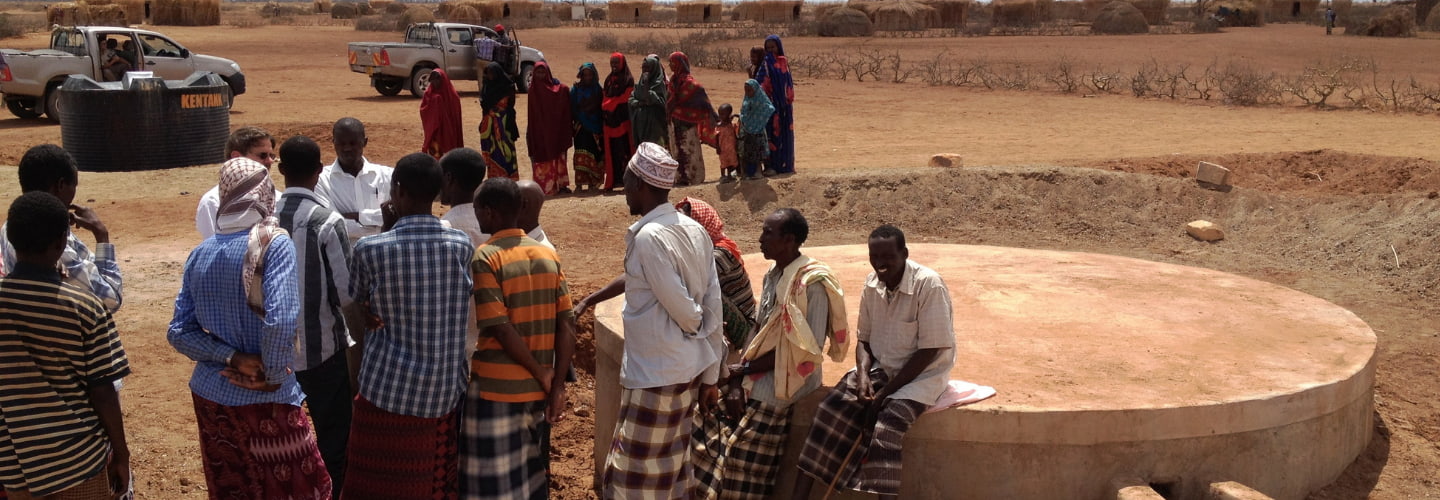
1321 197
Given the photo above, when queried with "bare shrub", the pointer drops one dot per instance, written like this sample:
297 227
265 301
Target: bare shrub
1105 81
603 41
375 23
1142 83
1322 79
1245 85
1064 75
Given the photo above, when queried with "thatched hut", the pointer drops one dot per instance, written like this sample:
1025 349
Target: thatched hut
344 10
381 5
780 11
1292 10
67 14
1342 10
697 12
1432 22
521 9
134 10
1395 21
845 21
1020 13
951 13
1156 11
463 14
1120 18
108 15
396 8
322 6
185 12
866 6
598 14
905 16
1240 12
414 14
636 11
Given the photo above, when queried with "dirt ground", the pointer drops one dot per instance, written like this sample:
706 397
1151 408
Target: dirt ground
1341 205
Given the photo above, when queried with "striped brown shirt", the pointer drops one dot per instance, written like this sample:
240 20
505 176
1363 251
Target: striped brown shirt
56 341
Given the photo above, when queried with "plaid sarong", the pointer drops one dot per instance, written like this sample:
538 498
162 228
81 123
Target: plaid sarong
394 456
259 451
98 486
501 455
875 465
650 456
740 461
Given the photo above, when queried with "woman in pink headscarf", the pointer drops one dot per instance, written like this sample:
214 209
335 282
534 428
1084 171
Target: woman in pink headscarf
440 116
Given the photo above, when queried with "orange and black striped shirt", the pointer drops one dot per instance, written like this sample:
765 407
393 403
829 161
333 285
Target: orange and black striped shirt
518 281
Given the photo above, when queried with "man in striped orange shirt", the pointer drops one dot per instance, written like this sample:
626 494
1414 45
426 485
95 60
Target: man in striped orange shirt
527 337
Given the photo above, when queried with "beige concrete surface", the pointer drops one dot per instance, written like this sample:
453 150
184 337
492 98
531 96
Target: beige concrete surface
1109 367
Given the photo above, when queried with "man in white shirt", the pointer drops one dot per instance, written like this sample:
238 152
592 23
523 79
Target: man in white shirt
902 366
673 345
532 199
251 142
352 185
463 170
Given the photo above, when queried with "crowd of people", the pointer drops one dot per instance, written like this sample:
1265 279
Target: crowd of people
606 120
433 353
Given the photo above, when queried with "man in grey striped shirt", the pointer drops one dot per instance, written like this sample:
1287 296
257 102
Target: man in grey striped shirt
322 261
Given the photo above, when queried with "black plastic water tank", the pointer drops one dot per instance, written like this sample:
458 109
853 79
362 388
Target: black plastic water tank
145 123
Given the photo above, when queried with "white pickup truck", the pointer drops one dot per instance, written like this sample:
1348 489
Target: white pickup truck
28 79
393 67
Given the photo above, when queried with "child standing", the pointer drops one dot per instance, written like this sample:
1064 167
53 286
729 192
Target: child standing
755 113
725 146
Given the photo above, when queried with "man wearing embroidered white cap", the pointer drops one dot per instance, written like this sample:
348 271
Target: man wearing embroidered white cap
673 346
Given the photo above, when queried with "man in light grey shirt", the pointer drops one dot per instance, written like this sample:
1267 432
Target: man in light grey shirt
902 365
673 344
737 455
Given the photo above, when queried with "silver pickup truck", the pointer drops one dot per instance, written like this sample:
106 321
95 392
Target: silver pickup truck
393 67
29 79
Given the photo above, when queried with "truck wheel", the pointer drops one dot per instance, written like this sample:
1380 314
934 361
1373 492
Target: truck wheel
389 87
28 109
525 76
420 80
52 103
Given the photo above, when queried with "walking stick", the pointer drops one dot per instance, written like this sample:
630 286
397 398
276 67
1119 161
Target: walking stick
830 489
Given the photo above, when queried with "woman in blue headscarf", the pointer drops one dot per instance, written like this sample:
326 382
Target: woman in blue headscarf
774 76
755 114
585 97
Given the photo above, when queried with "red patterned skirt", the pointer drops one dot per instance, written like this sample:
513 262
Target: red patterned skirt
259 451
394 456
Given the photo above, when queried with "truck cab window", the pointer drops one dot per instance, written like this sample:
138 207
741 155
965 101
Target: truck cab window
70 42
460 36
159 47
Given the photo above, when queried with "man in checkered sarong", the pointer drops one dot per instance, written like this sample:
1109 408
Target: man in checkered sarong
737 455
673 343
902 366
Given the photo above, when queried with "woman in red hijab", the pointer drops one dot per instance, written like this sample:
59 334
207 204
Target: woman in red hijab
548 132
691 117
440 116
619 143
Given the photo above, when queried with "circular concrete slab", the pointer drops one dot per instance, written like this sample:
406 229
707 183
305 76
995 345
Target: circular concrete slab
1108 368
1073 332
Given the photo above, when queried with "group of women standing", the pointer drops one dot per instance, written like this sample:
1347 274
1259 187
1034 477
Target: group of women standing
605 121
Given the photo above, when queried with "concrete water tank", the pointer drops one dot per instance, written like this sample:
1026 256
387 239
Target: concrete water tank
1109 371
144 122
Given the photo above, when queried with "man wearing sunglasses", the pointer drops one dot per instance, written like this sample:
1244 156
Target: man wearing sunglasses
251 142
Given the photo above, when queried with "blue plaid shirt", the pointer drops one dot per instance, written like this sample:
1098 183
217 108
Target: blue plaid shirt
416 278
212 322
